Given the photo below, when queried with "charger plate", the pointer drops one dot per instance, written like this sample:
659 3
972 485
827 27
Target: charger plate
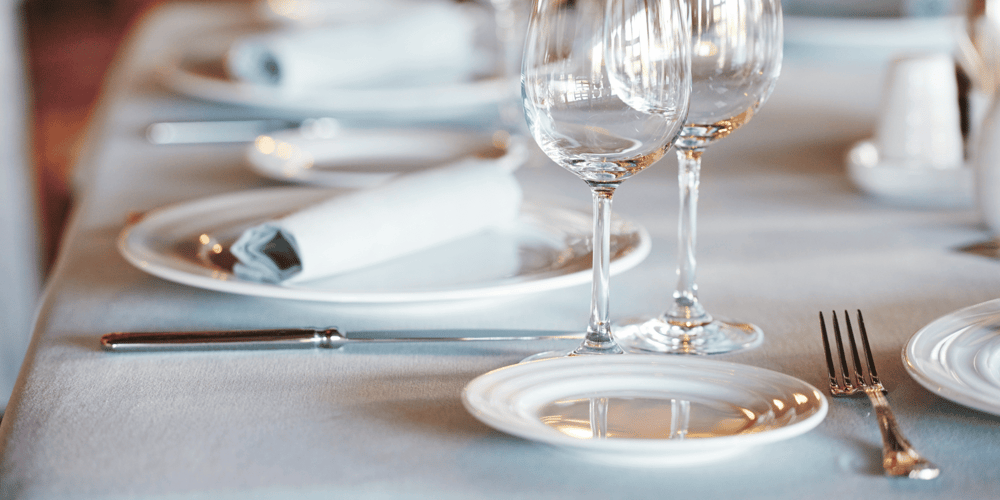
631 409
957 356
547 247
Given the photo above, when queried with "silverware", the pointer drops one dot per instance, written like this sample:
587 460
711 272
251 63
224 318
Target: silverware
219 131
286 338
898 456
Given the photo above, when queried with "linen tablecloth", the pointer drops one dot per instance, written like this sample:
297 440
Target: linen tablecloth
20 266
782 235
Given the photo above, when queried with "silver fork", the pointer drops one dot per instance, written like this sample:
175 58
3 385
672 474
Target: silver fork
898 456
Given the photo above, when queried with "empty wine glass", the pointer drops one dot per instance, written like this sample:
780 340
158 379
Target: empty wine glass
605 85
735 62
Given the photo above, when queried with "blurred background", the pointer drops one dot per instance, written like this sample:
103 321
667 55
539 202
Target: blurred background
71 43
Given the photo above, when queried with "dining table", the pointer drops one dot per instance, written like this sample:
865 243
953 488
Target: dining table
783 234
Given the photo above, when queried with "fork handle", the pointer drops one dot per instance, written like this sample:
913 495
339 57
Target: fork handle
898 456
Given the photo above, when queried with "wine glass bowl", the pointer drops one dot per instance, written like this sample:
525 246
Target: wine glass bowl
605 86
736 53
735 62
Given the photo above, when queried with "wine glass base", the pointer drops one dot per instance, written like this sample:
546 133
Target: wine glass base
657 335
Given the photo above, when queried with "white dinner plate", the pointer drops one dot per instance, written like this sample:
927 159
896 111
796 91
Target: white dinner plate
957 356
545 249
645 401
364 158
204 77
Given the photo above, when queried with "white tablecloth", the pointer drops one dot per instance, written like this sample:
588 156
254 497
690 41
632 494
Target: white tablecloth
20 262
782 235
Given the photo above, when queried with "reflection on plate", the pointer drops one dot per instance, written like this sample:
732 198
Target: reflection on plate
547 248
204 77
957 356
364 158
644 410
909 184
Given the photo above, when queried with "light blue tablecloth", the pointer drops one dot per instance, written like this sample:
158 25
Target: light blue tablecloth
782 235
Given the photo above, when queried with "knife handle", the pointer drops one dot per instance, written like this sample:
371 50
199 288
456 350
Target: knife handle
281 338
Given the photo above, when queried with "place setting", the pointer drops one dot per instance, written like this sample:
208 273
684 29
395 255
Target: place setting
636 392
385 60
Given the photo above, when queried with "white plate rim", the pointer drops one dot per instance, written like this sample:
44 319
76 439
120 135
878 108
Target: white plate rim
514 155
475 400
187 273
431 101
929 373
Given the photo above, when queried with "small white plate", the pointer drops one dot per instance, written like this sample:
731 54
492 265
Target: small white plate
957 356
545 249
730 407
364 158
204 77
909 184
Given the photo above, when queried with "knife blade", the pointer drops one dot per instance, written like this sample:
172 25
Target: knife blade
286 338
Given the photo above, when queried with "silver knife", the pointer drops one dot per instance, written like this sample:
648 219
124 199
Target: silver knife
282 338
220 131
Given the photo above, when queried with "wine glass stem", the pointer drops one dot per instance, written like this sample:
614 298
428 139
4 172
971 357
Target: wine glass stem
599 339
686 310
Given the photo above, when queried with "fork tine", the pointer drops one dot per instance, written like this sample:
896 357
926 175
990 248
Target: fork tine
868 350
826 348
848 386
859 374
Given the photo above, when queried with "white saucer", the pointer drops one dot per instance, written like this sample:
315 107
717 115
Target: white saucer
364 158
732 407
545 249
957 356
909 184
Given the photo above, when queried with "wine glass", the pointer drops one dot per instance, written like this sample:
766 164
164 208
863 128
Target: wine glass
735 62
605 85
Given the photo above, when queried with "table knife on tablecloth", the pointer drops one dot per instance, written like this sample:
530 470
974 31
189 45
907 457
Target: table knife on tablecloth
294 338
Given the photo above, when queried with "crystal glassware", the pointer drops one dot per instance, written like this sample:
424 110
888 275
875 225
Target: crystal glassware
605 85
736 50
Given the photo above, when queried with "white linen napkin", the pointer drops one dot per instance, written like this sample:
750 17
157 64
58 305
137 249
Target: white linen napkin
422 44
407 214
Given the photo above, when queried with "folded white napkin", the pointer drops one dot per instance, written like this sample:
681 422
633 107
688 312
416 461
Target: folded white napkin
422 44
407 214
